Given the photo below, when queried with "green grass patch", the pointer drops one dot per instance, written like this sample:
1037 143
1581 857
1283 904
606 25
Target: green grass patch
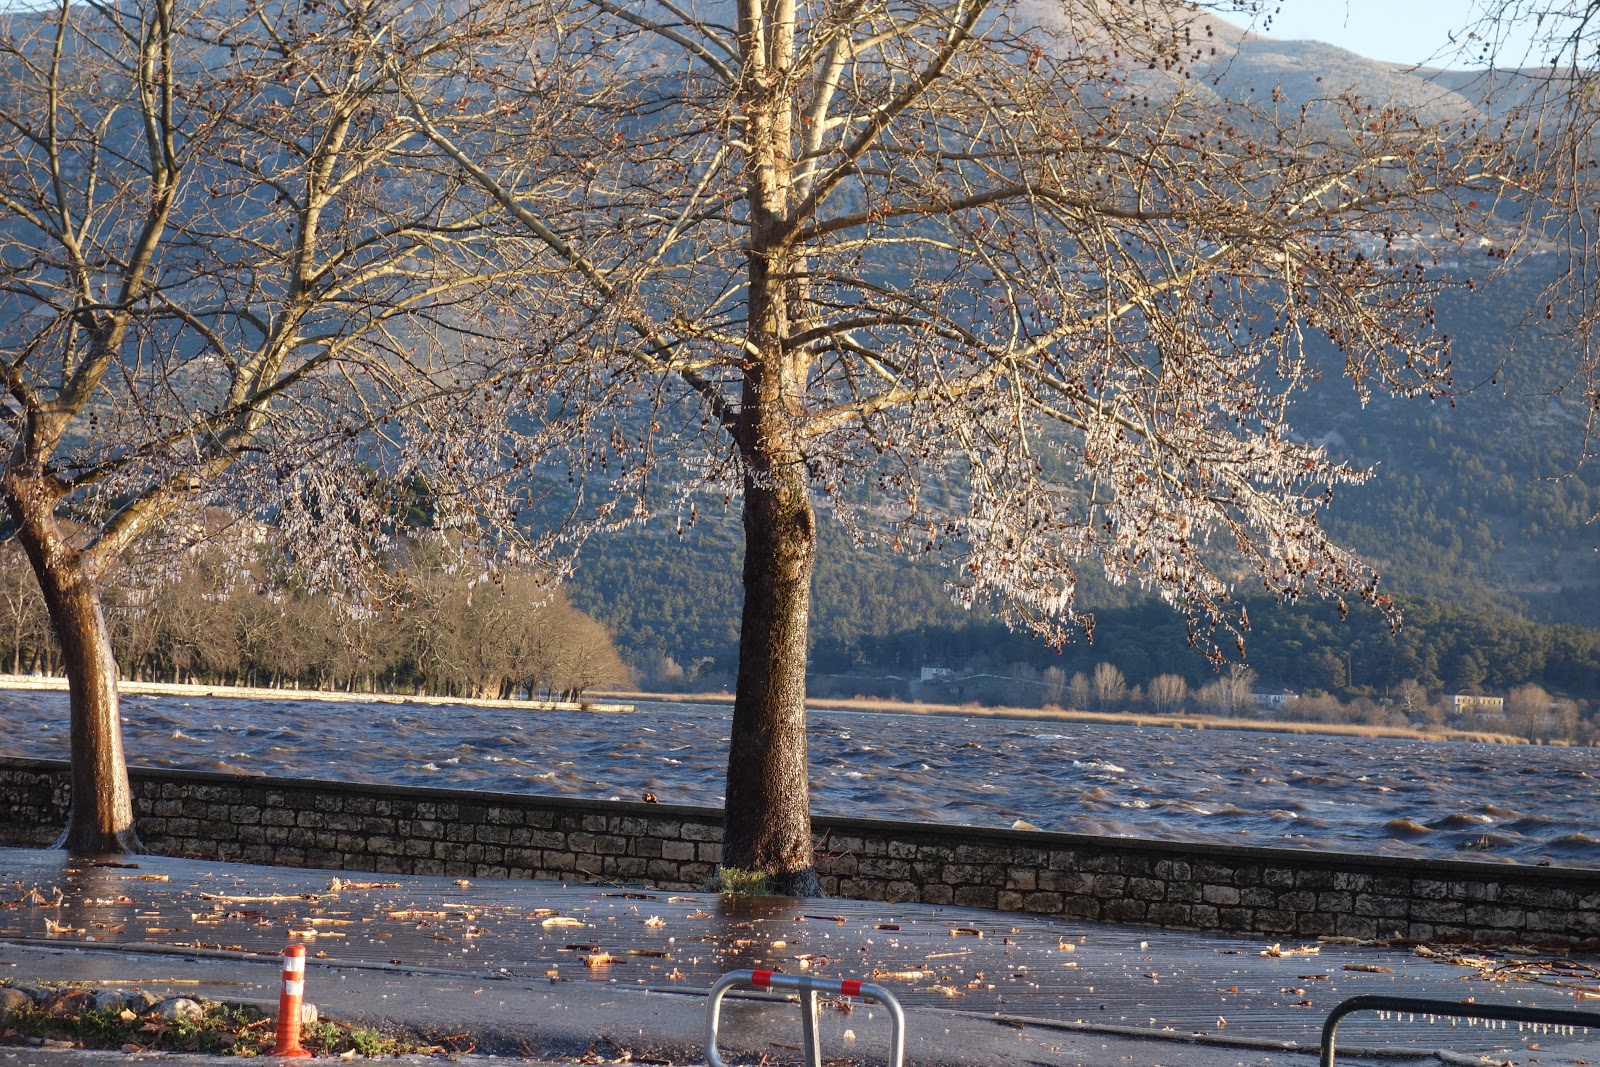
737 881
226 1029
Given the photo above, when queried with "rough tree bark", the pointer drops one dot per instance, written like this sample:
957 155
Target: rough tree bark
101 819
767 825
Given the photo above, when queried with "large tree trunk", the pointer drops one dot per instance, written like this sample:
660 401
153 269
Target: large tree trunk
101 819
767 826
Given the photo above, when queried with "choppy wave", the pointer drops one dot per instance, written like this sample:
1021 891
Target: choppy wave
1385 796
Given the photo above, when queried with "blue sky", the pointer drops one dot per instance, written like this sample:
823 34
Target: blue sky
1400 31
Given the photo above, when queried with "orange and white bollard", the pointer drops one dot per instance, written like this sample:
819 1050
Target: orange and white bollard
294 988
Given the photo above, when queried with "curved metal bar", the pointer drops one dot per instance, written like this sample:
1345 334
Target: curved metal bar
1459 1009
808 987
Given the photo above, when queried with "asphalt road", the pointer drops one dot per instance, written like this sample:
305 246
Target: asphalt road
543 970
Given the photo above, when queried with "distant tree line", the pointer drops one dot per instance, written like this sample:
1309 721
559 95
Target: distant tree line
216 621
1528 711
1442 647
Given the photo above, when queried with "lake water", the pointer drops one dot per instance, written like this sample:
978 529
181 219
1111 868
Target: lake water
1514 803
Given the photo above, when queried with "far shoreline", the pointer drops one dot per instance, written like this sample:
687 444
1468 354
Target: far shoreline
1101 718
56 684
613 701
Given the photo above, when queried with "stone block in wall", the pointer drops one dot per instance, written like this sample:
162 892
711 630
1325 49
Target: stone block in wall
1166 913
1137 866
961 873
1080 908
709 852
697 874
1439 911
1125 910
1147 889
1381 907
659 870
385 846
625 866
1022 879
1316 879
677 850
610 845
883 867
665 829
1079 883
1174 870
522 858
1042 903
1109 886
1337 902
1274 921
1539 896
692 831
1299 900
937 894
1219 894
1357 926
1277 877
974 853
1064 859
1497 916
976 896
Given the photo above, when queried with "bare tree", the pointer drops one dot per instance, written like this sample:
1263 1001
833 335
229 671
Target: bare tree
1110 687
1081 691
1055 685
24 619
1168 692
1530 710
1030 247
228 275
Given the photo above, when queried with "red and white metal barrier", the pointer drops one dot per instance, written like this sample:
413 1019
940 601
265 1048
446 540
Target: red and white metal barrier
289 1000
808 988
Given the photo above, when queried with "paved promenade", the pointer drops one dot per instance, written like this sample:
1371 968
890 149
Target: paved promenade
546 972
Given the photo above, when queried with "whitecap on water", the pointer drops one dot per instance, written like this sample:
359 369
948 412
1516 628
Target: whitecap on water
1100 765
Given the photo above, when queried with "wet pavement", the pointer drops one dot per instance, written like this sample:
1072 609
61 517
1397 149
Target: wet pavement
544 968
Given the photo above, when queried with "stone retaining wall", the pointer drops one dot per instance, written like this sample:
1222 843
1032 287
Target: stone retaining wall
1285 893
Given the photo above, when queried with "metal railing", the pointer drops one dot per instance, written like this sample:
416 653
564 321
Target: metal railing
1521 1013
808 988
